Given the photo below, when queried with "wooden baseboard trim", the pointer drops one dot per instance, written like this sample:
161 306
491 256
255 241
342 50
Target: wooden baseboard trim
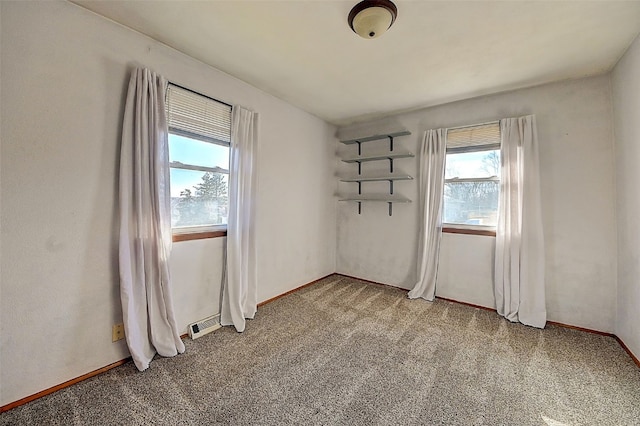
571 327
405 290
586 330
124 361
292 291
62 385
558 324
93 373
600 333
484 308
373 282
631 354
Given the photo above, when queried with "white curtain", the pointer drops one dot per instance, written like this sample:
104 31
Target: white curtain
431 188
240 289
145 223
519 260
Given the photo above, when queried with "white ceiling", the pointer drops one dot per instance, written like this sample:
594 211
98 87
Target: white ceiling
304 52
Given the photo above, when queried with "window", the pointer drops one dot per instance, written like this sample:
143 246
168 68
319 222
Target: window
199 139
472 177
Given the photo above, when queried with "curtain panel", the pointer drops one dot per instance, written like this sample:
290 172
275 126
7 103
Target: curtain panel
519 253
239 287
431 186
145 223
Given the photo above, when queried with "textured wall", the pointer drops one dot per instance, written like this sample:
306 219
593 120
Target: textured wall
64 75
578 192
626 101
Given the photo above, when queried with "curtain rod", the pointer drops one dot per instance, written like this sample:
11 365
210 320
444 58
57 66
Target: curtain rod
474 125
198 93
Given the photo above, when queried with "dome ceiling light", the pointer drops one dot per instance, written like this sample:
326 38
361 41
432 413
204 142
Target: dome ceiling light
372 18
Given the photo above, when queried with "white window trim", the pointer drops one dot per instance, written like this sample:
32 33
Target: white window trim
184 166
467 226
210 135
484 179
477 148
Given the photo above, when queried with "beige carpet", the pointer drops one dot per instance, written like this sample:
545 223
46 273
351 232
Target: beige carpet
345 352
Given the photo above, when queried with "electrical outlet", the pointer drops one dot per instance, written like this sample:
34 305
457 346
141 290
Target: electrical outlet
117 332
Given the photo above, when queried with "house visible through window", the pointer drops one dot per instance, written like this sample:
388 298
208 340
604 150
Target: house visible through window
199 138
472 176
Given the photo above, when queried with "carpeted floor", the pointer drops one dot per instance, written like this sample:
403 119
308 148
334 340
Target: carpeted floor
345 352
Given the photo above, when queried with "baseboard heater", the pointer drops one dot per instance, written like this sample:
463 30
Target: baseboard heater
205 326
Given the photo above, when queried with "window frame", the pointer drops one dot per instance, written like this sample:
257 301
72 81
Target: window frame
467 229
189 233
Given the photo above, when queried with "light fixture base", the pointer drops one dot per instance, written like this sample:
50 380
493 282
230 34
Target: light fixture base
372 18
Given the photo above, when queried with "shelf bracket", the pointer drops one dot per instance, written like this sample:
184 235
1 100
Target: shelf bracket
390 208
359 188
359 167
390 165
359 207
359 147
390 187
391 143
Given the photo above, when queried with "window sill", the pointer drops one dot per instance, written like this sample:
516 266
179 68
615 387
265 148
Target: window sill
469 231
201 235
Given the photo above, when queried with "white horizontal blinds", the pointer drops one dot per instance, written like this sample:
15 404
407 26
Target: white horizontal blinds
474 138
198 117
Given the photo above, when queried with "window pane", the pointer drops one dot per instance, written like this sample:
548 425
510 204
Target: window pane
198 153
471 203
198 198
477 164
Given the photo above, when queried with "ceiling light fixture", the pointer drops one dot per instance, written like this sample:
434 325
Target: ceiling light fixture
372 18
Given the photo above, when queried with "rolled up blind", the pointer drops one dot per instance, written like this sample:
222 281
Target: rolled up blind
197 116
483 137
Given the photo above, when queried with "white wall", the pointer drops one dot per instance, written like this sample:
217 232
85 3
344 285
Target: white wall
465 270
576 155
626 102
64 77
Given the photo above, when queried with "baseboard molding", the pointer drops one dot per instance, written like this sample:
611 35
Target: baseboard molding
601 333
62 385
586 330
292 291
372 282
484 308
558 324
633 357
572 327
104 369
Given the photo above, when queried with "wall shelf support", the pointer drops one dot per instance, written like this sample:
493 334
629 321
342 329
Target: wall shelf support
391 177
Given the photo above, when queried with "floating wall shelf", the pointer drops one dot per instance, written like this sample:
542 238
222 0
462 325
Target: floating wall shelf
377 178
389 136
376 199
376 137
388 156
390 177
